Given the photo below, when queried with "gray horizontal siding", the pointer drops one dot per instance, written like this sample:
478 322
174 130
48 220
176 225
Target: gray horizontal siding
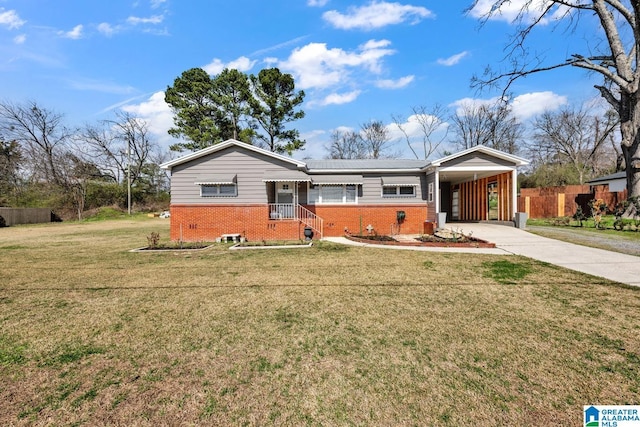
249 168
477 160
247 165
372 191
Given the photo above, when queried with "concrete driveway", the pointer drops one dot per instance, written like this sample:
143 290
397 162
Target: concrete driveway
597 262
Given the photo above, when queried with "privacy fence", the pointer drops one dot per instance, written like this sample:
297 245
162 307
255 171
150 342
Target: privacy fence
550 202
13 216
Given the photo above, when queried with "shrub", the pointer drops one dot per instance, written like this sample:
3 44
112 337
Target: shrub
153 240
579 215
598 208
3 223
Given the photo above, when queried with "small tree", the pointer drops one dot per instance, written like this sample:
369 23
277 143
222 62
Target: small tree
598 208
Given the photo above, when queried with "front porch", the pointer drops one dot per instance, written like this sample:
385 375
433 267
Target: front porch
295 212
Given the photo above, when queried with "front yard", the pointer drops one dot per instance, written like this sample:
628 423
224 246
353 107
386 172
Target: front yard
91 334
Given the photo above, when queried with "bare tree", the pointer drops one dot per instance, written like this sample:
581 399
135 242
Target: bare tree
347 145
492 125
573 136
41 135
428 120
113 143
375 138
612 53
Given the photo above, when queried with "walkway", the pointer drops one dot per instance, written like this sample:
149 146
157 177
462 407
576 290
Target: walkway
509 240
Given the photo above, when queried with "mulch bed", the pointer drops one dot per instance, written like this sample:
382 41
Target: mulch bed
426 240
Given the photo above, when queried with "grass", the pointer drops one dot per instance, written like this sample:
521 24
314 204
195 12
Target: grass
91 334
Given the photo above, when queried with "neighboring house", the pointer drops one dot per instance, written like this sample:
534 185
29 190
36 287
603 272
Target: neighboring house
236 188
610 188
615 182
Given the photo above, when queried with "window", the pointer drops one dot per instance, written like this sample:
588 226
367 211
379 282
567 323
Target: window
430 193
398 191
332 193
218 190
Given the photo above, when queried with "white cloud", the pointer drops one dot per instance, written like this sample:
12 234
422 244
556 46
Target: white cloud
106 29
157 3
376 15
412 126
158 116
339 98
452 60
155 19
101 86
10 19
317 3
315 146
20 39
512 10
241 64
524 106
74 34
291 42
315 66
395 84
530 104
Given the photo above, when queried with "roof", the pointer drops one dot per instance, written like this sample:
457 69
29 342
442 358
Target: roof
226 144
341 166
612 177
518 161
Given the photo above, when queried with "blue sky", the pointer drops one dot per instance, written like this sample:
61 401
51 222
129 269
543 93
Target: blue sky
356 60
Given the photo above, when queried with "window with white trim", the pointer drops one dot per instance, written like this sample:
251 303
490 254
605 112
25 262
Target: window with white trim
430 192
218 190
398 191
332 193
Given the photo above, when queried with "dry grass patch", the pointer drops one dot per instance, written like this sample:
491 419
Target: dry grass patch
331 335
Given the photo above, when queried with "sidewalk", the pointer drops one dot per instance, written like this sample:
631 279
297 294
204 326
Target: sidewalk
509 240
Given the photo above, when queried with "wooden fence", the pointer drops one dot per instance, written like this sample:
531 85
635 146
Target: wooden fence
551 202
13 216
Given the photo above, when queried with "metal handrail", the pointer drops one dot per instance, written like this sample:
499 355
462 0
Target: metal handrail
310 219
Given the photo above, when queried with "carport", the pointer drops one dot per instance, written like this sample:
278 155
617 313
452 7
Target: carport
477 184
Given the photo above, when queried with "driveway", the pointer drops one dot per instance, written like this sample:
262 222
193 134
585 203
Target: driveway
597 262
510 240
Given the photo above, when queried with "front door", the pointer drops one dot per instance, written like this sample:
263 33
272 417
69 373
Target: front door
285 198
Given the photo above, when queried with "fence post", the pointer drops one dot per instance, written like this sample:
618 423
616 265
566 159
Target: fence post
560 204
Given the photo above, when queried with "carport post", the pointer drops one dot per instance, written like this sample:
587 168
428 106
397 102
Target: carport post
437 191
514 198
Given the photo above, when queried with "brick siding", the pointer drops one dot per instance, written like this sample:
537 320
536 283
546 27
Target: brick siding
208 222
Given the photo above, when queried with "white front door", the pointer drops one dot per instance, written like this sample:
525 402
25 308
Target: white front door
286 194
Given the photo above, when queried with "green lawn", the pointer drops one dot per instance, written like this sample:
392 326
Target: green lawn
91 334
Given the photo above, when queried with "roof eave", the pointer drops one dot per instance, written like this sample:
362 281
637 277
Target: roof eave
517 161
